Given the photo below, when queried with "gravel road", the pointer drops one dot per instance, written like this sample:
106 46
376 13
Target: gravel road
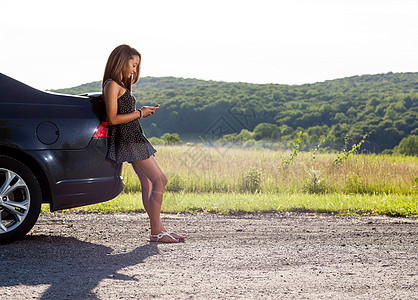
260 256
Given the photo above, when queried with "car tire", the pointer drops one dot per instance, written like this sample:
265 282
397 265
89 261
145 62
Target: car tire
20 199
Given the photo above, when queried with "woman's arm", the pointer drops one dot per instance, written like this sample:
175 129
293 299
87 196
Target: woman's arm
112 92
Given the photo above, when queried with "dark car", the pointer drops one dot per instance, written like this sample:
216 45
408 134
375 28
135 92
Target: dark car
52 150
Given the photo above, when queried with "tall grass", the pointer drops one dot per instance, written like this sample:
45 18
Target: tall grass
232 180
201 169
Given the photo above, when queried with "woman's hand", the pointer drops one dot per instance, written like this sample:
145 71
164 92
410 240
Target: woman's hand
148 110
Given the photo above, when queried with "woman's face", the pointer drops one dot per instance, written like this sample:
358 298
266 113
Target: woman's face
132 66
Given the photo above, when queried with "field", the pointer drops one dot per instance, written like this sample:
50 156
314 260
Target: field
236 180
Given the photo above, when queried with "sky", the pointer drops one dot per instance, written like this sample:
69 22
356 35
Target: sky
61 44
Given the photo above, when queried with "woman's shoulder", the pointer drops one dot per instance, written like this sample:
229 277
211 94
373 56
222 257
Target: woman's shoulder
110 83
111 86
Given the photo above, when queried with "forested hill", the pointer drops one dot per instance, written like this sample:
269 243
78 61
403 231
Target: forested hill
383 105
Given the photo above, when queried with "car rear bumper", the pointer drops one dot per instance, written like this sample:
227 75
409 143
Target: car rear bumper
80 177
80 192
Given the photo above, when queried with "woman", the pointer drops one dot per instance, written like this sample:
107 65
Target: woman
126 138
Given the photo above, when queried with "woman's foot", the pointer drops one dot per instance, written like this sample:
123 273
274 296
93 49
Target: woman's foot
179 237
163 237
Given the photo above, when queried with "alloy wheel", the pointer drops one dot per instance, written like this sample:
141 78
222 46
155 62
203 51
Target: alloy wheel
14 200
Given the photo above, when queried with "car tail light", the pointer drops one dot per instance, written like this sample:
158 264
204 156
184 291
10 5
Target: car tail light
101 131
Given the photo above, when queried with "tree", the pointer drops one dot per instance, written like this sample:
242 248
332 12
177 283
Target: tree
266 131
386 105
408 146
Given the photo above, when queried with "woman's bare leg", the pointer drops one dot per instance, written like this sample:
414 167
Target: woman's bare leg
153 182
158 180
146 187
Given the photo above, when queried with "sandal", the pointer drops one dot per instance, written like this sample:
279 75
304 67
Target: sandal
181 238
161 235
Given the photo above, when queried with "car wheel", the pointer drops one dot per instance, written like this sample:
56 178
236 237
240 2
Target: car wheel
20 199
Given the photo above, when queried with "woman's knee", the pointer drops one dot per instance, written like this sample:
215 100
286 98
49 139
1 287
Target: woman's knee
160 181
164 179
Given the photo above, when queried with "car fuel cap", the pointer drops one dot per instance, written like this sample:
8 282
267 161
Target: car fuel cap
47 133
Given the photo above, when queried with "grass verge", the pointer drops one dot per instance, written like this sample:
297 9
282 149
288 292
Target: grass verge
236 203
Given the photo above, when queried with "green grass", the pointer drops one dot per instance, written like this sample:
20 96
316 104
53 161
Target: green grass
236 203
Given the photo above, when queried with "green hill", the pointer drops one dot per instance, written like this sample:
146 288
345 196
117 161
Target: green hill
383 105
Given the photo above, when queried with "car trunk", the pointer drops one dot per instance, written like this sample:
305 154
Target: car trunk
63 121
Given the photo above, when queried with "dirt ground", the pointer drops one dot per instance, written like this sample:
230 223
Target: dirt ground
263 256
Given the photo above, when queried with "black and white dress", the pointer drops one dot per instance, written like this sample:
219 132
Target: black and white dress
127 141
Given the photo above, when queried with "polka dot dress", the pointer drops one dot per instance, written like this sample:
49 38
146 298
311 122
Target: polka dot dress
127 141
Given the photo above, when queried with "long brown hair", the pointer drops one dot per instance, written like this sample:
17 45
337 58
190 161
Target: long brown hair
117 61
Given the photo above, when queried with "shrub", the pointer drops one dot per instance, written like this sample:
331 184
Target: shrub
314 185
156 141
266 131
408 146
171 139
252 181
